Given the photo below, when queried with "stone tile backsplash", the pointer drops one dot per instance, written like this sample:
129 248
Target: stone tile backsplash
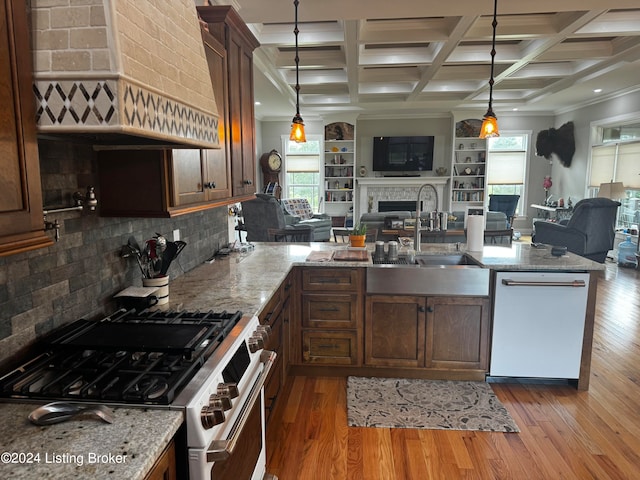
78 276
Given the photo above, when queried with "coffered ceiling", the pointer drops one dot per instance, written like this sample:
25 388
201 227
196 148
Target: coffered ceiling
381 58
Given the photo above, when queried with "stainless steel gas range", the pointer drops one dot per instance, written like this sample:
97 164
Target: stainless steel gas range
210 365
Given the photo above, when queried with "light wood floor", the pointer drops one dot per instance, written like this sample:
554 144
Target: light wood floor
565 433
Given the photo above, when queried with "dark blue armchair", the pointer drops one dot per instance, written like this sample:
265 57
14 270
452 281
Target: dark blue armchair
589 232
506 204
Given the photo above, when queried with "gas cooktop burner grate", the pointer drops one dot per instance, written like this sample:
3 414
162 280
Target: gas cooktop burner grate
131 357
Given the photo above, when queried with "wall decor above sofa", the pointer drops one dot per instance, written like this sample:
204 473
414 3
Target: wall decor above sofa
560 141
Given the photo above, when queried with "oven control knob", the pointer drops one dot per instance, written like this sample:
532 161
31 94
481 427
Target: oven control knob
255 343
220 401
228 390
211 416
263 331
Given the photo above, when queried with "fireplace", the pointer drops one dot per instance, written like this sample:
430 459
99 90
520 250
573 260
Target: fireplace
397 205
374 191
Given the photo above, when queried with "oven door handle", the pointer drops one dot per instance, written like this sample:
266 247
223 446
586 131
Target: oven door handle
222 449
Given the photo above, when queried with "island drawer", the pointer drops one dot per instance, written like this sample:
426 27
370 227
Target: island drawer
331 279
329 347
330 311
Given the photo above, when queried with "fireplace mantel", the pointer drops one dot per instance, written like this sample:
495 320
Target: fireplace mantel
407 189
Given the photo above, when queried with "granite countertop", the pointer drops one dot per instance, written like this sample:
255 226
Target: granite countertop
246 281
84 448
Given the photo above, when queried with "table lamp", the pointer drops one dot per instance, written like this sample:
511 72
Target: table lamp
612 190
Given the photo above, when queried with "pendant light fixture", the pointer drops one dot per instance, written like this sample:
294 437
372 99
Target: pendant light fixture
489 121
297 124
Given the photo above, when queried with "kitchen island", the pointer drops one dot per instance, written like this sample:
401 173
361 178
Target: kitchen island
247 282
241 281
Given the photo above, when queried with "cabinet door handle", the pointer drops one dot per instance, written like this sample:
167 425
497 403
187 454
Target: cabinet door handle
332 309
248 182
420 308
516 283
430 309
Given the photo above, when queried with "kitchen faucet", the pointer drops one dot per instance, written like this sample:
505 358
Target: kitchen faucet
416 238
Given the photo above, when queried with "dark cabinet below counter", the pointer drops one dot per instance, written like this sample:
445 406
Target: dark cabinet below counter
447 336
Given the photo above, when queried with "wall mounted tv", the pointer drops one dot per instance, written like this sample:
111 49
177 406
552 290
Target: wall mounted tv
403 154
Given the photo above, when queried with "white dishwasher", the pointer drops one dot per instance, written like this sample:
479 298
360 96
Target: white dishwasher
538 324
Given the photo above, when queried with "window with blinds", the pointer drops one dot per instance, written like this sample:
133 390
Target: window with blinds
506 166
619 162
302 170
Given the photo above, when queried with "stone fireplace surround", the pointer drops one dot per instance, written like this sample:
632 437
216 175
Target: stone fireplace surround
377 189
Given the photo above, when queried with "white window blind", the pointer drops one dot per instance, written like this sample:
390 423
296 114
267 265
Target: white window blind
628 165
506 168
602 164
303 163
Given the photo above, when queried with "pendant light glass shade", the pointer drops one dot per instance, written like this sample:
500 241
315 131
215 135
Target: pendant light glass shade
489 125
297 130
490 121
297 124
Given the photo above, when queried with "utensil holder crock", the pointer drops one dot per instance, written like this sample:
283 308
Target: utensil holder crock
163 291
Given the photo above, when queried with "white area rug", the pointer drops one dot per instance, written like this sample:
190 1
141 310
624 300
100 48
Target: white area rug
426 404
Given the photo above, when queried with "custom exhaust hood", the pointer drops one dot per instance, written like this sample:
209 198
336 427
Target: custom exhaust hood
123 72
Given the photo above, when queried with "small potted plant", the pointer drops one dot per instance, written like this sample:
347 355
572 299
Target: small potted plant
358 235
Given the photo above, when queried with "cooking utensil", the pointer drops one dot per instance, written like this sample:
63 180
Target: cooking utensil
170 254
132 242
129 251
167 257
58 412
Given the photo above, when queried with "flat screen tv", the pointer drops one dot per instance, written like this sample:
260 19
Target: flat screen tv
403 154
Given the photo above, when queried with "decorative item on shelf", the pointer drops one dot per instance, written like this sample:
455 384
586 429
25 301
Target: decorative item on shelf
297 124
489 121
362 171
358 235
441 171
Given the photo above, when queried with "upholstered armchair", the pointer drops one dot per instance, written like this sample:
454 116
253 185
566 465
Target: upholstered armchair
298 211
506 204
266 212
589 232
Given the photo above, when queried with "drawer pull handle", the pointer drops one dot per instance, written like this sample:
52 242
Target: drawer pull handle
330 345
517 283
331 309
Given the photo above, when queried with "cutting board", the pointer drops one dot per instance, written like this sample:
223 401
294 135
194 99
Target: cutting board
351 255
320 256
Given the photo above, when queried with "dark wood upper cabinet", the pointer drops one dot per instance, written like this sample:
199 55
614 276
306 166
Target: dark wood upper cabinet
161 183
228 28
21 221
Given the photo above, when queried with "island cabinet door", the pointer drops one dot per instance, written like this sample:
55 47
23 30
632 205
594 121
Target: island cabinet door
395 331
458 333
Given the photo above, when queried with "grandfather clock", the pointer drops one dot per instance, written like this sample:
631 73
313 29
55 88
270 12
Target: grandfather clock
271 164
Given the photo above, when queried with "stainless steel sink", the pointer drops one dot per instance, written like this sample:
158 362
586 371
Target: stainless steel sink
432 274
435 259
